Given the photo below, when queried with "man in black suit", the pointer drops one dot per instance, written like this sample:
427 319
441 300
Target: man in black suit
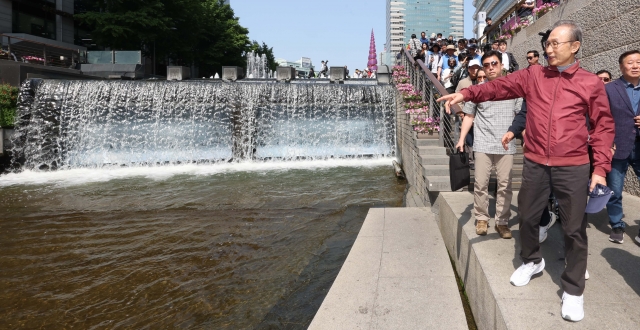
624 97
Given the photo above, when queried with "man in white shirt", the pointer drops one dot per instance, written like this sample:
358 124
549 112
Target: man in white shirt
508 60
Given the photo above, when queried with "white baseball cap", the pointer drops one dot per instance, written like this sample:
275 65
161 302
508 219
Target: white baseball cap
475 62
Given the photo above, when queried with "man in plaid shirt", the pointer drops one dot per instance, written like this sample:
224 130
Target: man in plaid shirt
490 119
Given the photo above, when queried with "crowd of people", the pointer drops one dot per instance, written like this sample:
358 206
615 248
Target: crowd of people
582 134
448 59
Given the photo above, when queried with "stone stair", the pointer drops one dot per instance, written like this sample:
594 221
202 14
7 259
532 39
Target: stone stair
435 167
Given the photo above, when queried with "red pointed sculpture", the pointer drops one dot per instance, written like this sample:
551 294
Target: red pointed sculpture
372 64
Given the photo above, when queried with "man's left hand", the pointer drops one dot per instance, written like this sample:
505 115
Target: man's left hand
637 119
595 179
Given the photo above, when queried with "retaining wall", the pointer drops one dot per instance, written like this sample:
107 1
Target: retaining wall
409 155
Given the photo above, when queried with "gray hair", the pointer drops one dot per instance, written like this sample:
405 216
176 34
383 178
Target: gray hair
575 29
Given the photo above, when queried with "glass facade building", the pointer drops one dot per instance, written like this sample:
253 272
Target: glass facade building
407 17
45 21
493 8
35 18
434 16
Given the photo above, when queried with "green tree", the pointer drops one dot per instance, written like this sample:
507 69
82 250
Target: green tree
264 49
184 32
8 104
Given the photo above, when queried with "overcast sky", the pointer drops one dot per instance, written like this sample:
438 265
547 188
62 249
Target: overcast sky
334 30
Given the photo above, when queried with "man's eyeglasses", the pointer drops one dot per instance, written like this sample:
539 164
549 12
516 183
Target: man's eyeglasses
555 44
530 58
482 77
488 64
605 79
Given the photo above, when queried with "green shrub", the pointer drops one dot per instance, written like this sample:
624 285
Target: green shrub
8 105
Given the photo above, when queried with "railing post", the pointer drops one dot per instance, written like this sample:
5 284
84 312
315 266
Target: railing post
431 103
9 41
443 126
45 55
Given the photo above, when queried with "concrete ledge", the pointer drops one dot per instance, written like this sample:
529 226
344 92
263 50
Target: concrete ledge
485 264
397 276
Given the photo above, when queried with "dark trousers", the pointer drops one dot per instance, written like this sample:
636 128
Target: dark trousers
570 186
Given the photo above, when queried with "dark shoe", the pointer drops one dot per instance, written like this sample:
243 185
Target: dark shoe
481 227
503 231
638 239
617 235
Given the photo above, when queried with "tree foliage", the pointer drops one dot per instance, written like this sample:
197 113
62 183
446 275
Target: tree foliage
264 49
201 32
8 104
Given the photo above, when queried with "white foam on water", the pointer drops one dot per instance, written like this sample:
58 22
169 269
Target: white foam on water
81 176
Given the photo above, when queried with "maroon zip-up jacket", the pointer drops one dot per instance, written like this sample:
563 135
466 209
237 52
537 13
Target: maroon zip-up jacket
557 106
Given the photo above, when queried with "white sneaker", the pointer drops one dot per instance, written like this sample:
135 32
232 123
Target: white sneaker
554 217
543 234
522 275
544 230
572 307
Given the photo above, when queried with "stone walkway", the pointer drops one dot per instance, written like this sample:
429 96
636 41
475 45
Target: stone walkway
485 263
397 276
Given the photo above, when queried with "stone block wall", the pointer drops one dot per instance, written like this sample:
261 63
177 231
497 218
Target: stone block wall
408 151
610 28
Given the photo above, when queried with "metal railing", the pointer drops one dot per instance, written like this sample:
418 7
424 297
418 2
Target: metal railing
34 52
431 89
114 57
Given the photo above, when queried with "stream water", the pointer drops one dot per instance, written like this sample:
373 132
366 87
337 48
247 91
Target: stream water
214 246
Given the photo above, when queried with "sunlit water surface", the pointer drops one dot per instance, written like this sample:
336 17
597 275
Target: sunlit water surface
227 246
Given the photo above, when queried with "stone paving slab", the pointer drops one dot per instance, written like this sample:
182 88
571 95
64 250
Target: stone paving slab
397 276
485 263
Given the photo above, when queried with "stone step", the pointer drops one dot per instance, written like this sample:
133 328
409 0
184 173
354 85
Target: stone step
485 264
434 160
435 170
443 183
430 150
438 183
427 142
443 170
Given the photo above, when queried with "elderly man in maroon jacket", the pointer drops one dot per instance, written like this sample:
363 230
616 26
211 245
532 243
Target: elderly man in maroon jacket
559 99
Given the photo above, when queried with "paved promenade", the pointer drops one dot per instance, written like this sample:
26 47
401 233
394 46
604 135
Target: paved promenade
398 275
485 263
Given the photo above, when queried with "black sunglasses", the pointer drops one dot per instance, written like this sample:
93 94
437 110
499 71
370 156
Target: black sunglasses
530 57
492 63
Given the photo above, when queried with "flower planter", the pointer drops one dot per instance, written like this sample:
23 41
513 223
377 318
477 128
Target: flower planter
432 135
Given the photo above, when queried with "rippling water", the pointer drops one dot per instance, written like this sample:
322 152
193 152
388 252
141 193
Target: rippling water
236 246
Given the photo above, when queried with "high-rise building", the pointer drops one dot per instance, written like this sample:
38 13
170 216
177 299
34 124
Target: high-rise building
490 8
407 17
395 30
47 21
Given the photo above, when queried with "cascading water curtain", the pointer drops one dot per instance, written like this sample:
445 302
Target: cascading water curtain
71 124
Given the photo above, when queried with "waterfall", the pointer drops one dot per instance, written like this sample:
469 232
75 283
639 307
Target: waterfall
71 124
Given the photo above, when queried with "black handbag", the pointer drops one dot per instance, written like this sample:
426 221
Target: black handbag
459 173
